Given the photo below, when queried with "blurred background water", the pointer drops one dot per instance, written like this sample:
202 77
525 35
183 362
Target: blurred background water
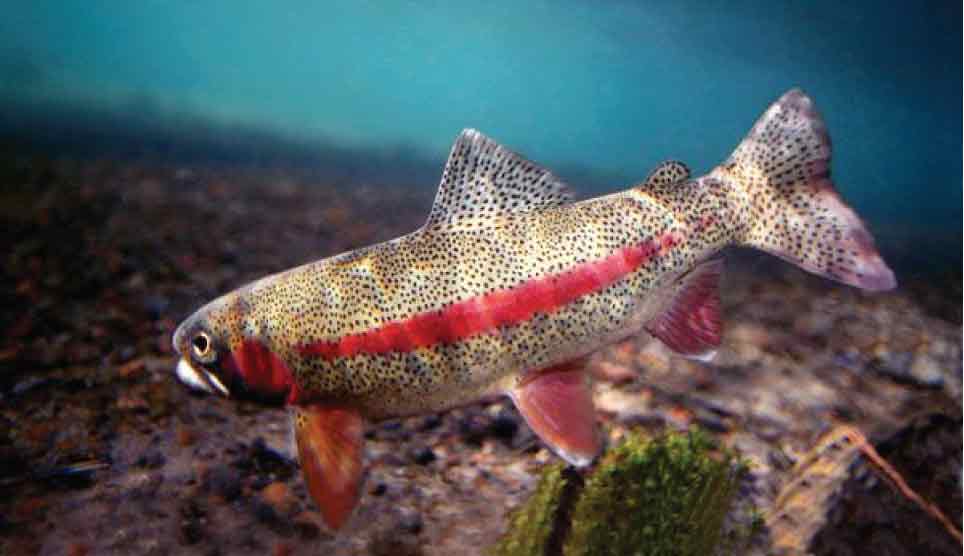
600 92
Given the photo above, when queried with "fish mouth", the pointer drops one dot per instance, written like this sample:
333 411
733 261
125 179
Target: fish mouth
203 381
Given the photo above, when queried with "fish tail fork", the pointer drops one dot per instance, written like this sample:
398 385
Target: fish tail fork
780 187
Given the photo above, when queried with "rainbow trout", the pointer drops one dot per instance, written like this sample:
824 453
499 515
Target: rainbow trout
508 287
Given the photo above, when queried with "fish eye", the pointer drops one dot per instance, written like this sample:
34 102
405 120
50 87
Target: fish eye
201 347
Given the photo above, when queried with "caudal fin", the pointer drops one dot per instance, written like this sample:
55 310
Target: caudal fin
780 178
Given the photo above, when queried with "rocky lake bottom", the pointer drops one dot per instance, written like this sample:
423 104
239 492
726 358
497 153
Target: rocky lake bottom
102 451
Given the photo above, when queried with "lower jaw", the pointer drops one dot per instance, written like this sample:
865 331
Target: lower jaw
189 376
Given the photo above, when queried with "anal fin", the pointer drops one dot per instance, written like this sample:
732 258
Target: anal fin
691 324
557 404
330 446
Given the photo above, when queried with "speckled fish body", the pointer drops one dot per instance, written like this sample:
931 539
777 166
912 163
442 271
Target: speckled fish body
510 284
438 318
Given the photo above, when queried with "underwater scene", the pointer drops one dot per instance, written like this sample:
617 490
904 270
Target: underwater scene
512 278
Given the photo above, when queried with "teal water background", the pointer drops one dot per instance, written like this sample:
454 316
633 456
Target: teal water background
599 91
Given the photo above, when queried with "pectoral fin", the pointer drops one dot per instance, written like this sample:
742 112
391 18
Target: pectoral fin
330 447
557 405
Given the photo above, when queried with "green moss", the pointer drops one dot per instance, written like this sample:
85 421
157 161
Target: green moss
663 496
531 526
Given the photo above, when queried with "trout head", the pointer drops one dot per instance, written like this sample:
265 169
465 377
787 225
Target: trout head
224 350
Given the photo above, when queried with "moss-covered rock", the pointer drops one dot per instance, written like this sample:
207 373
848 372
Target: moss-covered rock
646 496
531 527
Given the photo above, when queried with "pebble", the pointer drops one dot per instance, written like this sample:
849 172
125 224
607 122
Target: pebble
279 496
927 371
78 549
146 485
131 368
185 436
29 508
615 373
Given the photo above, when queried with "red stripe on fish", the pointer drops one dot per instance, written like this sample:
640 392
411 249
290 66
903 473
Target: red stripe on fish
487 312
261 369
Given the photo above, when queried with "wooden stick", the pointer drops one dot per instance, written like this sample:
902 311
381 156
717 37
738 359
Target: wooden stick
893 477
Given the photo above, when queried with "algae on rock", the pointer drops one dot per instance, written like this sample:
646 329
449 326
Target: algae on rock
646 496
531 527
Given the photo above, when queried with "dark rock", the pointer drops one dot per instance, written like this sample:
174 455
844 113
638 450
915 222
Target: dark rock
389 543
156 306
393 460
473 429
12 462
423 455
411 522
152 459
265 513
393 430
74 476
779 460
378 490
31 383
711 422
650 421
306 526
223 481
126 352
208 415
504 427
193 517
260 459
431 422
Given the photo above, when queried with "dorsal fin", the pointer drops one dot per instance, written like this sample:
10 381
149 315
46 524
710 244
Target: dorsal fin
668 173
483 179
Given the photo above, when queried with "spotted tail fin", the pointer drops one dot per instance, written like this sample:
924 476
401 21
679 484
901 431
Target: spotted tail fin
780 179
